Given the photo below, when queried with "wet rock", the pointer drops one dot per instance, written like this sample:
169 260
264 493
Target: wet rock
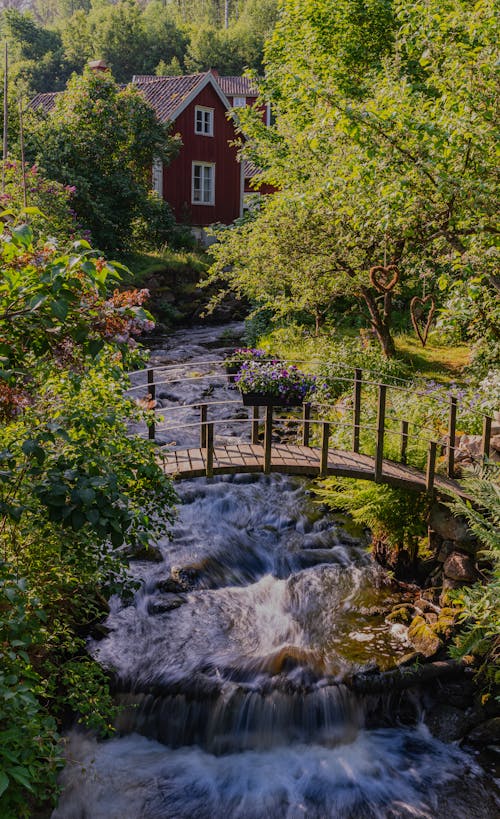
168 396
187 577
314 557
450 527
170 586
448 723
423 638
459 567
173 601
488 733
151 553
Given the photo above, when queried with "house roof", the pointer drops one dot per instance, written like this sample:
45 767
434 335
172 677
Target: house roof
45 101
250 170
238 87
169 96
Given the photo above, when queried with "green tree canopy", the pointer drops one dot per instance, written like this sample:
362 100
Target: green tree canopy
101 139
398 168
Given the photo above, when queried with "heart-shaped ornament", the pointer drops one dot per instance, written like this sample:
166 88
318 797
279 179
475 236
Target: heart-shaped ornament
421 323
384 278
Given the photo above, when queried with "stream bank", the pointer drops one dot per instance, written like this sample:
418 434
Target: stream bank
235 665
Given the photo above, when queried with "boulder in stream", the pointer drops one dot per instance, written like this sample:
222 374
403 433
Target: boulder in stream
423 637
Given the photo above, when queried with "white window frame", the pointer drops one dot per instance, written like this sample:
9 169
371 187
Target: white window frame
239 102
201 201
157 175
207 121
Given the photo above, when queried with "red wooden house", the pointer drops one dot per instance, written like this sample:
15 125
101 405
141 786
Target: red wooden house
204 183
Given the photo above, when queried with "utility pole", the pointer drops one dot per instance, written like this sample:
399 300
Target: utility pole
5 113
21 139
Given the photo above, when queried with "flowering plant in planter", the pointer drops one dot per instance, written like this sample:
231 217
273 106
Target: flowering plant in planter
234 361
274 383
238 357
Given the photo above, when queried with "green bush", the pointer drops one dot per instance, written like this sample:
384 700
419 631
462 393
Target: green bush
29 751
395 516
77 490
480 603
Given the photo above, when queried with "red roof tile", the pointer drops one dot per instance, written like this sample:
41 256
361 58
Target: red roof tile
45 102
238 86
165 94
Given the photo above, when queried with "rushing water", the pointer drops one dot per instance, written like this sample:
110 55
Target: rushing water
232 667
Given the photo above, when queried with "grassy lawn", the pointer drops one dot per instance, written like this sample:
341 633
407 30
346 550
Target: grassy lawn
434 361
170 263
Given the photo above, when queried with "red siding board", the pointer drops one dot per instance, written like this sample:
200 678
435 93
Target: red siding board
196 147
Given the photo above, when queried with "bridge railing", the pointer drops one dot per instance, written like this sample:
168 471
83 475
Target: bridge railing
447 444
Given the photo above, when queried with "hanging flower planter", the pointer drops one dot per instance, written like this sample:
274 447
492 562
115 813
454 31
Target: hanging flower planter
260 399
273 384
234 362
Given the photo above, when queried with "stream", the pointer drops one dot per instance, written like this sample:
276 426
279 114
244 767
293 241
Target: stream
233 661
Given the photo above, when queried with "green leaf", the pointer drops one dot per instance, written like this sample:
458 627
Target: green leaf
22 235
21 775
94 347
78 520
4 782
59 309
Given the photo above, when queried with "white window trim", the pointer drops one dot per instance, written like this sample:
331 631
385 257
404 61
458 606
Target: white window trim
210 111
212 198
157 174
239 102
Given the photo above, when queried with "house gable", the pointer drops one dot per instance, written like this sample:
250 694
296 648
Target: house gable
208 157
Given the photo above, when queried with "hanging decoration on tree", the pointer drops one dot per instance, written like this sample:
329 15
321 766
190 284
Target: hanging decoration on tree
422 322
384 278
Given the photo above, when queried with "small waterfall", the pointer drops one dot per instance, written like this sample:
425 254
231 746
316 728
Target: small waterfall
232 667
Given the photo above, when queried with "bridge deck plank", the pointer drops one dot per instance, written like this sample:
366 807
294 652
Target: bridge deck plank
296 460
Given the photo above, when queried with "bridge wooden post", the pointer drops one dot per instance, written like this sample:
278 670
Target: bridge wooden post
306 423
452 429
357 409
210 449
255 425
152 398
268 432
431 467
325 435
379 451
485 443
203 425
404 441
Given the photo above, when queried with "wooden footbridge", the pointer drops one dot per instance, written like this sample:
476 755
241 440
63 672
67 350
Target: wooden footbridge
307 450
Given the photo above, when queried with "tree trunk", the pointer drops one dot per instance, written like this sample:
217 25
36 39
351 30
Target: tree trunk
381 322
406 677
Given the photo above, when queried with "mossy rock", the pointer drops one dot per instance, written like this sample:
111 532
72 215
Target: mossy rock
445 622
401 614
423 637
